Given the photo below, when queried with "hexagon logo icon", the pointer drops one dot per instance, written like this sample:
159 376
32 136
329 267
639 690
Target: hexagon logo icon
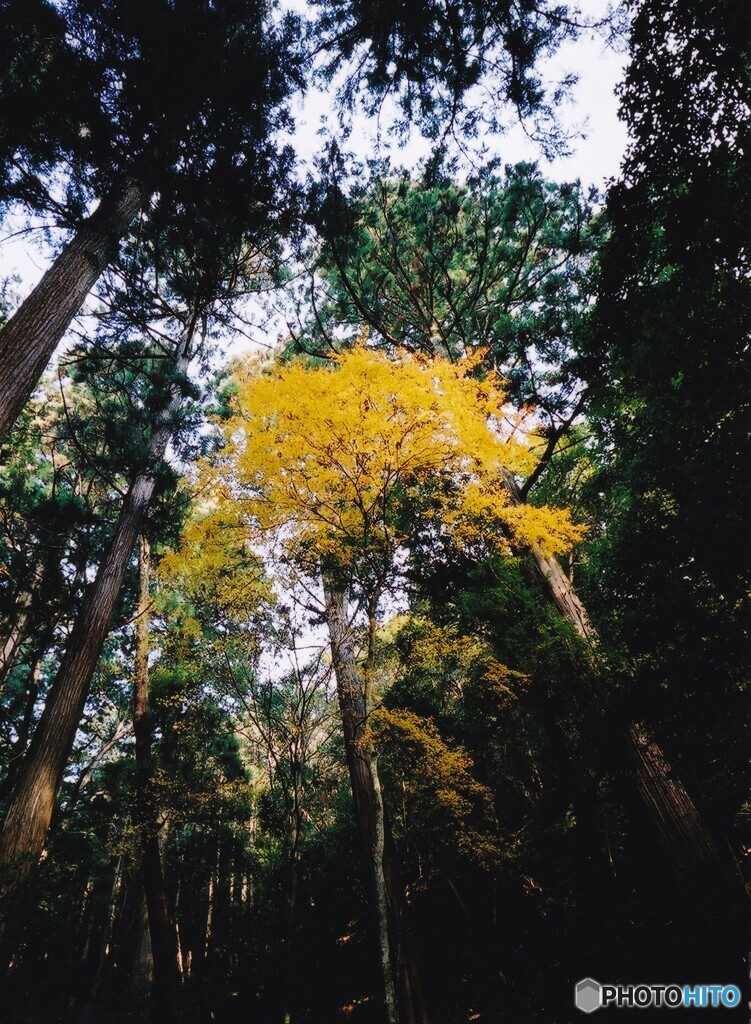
588 995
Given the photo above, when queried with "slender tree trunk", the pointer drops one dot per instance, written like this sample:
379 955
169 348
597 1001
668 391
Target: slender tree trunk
15 634
88 772
31 335
100 902
397 954
167 994
680 828
294 873
30 812
99 951
192 915
366 786
682 832
16 629
219 956
566 600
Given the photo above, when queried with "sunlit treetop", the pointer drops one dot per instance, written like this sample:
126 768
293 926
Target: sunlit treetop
340 465
503 260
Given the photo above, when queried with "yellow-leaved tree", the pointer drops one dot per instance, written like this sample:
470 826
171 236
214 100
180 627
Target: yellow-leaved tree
338 462
333 470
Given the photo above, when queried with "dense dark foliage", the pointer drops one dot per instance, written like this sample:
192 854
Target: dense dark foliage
208 804
669 370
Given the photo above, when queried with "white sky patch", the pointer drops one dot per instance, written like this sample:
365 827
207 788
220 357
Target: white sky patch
591 116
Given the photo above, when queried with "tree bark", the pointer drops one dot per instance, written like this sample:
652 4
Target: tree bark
17 628
397 954
30 337
167 994
29 814
680 828
366 786
142 968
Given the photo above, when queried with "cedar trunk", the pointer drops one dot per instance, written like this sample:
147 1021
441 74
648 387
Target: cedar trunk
142 967
167 997
17 628
395 948
31 335
27 822
680 828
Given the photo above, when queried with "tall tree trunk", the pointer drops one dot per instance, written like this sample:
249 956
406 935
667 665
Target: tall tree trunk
680 828
294 879
142 967
29 814
99 950
167 994
31 335
394 943
366 785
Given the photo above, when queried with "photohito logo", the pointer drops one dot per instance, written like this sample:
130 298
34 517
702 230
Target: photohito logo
590 995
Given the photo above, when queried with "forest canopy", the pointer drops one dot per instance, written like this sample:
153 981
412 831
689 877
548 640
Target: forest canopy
393 667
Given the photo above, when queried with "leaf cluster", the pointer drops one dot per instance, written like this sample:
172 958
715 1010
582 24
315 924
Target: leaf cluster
338 463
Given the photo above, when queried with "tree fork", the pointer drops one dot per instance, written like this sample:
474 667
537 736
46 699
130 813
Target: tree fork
30 337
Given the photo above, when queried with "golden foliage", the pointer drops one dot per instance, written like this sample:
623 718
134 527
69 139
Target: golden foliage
341 461
458 666
214 565
444 797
